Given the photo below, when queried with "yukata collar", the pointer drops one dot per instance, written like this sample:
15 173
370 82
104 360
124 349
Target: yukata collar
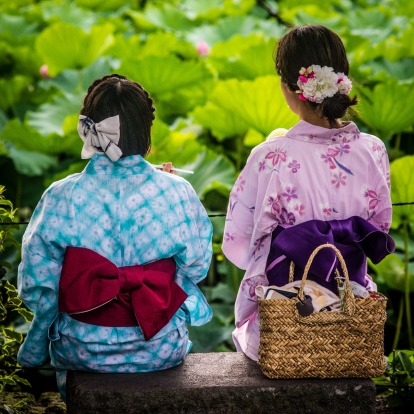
131 165
304 131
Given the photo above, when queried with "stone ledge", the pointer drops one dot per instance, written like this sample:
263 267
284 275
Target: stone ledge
219 383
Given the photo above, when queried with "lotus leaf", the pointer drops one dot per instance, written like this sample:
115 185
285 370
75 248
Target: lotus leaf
12 90
402 190
311 13
375 24
49 118
235 106
156 44
165 75
210 336
391 272
399 45
77 81
388 108
244 57
14 27
165 16
64 46
224 29
68 13
211 170
31 163
383 68
176 85
214 9
101 6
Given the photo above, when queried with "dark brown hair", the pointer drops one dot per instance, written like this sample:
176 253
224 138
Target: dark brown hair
116 95
314 45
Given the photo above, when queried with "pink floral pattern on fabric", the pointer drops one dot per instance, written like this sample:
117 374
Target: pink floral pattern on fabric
338 179
310 173
276 156
240 183
289 193
374 199
300 209
286 217
294 166
275 206
228 237
331 157
262 165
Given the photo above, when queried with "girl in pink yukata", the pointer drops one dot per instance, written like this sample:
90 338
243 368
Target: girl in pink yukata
321 169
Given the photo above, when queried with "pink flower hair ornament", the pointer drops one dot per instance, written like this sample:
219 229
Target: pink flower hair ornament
317 83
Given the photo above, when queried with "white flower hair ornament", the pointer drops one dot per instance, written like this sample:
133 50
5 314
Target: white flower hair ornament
317 83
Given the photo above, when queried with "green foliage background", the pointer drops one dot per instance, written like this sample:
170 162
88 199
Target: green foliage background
208 66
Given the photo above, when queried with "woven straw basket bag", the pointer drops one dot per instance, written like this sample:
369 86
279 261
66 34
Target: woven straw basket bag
349 343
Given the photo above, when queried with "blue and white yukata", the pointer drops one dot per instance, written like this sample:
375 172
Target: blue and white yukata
130 213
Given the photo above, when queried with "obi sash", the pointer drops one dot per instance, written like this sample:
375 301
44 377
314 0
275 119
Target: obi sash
355 238
94 290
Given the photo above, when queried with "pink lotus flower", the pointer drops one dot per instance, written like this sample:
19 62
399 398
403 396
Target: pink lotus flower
203 49
44 71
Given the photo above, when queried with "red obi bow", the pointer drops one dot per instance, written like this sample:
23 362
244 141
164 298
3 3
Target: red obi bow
94 290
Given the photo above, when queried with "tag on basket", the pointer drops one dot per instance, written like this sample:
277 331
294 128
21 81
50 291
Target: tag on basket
305 307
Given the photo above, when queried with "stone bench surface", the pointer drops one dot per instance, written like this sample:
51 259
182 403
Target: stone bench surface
215 383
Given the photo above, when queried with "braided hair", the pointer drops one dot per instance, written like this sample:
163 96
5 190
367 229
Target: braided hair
114 95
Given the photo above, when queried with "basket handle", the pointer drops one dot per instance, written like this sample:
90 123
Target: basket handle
348 298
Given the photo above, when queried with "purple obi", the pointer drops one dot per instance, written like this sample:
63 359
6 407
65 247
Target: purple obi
355 238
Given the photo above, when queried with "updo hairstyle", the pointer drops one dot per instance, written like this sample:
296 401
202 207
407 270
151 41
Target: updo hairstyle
314 45
116 95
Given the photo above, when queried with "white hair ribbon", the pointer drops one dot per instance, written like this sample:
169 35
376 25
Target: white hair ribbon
101 136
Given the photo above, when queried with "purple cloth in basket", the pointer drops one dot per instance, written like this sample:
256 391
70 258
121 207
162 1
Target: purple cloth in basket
355 238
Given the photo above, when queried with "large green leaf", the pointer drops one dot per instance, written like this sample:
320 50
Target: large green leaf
213 9
72 81
155 44
176 85
383 68
178 145
211 171
31 163
235 106
164 76
68 13
12 90
391 272
14 27
244 57
208 337
388 108
402 190
23 137
223 29
374 24
64 46
49 118
165 16
99 5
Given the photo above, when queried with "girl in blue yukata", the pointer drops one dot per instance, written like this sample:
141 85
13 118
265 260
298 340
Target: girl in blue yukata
112 256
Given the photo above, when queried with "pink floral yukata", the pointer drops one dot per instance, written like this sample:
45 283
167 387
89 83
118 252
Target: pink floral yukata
310 173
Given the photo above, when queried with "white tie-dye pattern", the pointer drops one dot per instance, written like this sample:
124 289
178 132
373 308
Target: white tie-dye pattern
106 209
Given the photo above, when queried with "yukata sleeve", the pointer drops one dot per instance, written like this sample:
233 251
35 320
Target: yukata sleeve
193 261
239 223
383 209
38 283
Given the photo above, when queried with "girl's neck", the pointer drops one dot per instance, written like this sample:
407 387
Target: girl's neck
312 117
